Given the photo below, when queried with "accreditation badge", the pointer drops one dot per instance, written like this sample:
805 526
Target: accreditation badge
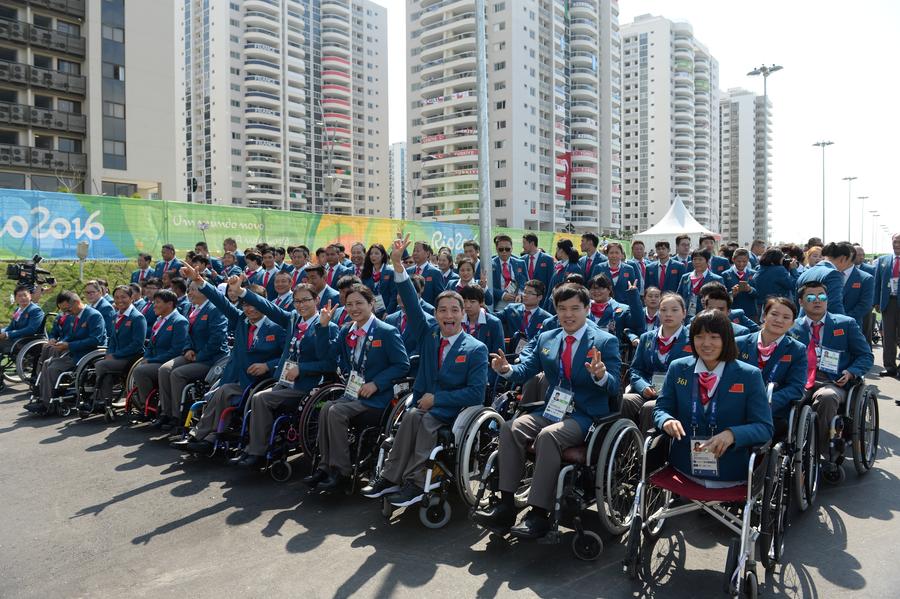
560 403
703 463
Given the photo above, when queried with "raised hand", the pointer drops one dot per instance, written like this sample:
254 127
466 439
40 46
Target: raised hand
398 247
632 286
499 363
596 366
189 272
326 313
234 284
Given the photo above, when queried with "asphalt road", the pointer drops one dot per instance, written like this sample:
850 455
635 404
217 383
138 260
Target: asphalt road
96 510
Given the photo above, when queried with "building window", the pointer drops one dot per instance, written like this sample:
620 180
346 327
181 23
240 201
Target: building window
67 144
114 110
115 148
115 34
113 71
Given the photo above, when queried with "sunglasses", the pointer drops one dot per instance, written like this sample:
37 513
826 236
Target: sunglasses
822 297
504 249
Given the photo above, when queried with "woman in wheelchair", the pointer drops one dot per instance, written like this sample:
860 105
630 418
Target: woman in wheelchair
126 344
581 365
258 343
452 376
26 322
371 354
713 406
657 349
781 358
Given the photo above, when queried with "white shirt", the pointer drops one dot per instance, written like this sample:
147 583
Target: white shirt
847 273
450 341
280 299
482 319
195 309
718 370
360 342
578 335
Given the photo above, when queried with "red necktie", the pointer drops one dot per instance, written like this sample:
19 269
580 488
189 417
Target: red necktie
696 284
649 318
418 270
444 343
266 279
664 345
145 308
343 317
354 336
741 275
301 331
587 266
166 267
707 382
75 324
531 267
559 267
567 357
403 323
812 359
294 277
507 276
330 274
119 321
17 314
156 327
193 316
643 269
525 319
896 272
765 352
141 276
662 277
250 330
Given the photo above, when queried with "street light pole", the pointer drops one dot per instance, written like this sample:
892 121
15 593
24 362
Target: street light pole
874 214
484 181
765 72
823 145
862 210
849 181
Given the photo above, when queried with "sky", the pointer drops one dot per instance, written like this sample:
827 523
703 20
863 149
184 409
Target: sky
838 84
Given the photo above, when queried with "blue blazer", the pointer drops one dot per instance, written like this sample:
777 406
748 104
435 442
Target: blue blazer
754 261
826 273
745 300
28 324
385 358
739 318
175 265
620 285
410 340
591 399
513 316
215 264
559 275
149 315
340 270
843 334
286 303
597 261
772 281
719 264
329 294
265 349
646 360
463 375
108 312
741 407
170 341
674 271
256 278
450 279
884 268
386 287
786 368
517 270
136 275
491 335
543 268
310 362
859 295
239 259
88 335
868 268
128 339
434 281
685 291
62 326
457 287
208 334
232 271
183 305
639 275
616 320
270 285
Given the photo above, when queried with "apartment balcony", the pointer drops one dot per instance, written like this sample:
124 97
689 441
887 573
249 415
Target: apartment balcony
263 67
22 115
262 144
449 177
452 25
458 119
456 159
339 77
262 83
583 42
582 9
253 18
338 133
255 159
74 8
585 156
272 7
461 42
336 104
20 32
262 35
24 74
584 91
583 26
460 136
340 7
262 51
336 49
25 157
336 21
335 90
338 63
580 58
334 34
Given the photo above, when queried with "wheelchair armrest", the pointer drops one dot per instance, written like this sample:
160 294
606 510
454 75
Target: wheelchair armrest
656 450
761 450
532 404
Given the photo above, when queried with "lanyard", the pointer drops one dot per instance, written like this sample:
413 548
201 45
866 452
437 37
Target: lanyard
298 338
774 371
360 365
695 407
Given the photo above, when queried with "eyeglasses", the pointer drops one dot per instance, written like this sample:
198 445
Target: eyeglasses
504 250
530 293
303 300
810 297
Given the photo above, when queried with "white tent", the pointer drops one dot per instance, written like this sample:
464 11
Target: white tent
677 221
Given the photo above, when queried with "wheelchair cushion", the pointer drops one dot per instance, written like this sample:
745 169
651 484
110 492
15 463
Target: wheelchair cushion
670 479
572 455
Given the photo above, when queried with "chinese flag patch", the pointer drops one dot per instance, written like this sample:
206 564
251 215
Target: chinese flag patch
856 285
688 349
376 343
786 358
838 332
460 359
270 337
204 317
737 388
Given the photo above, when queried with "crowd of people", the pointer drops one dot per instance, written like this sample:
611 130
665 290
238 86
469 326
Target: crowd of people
703 331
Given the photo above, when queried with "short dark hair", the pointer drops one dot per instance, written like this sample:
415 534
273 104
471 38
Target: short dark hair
425 246
152 282
841 249
347 281
715 322
168 246
465 260
709 237
472 292
715 290
773 301
680 237
530 238
363 291
22 288
637 242
600 280
567 291
253 257
449 293
810 285
269 250
316 269
67 297
126 289
757 242
502 237
146 257
201 244
257 289
340 246
280 250
305 287
592 237
166 296
179 284
662 244
772 257
575 278
135 289
740 252
701 254
537 285
201 259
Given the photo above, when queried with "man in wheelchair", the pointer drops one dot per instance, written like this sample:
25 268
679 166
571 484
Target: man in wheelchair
26 321
88 332
581 364
837 354
452 375
126 344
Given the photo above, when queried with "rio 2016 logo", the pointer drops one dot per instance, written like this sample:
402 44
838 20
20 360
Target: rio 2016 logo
18 227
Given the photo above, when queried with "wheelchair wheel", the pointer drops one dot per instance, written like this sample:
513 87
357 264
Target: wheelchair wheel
865 430
618 474
482 437
280 471
750 588
587 546
436 514
309 417
27 359
774 509
655 499
805 479
397 412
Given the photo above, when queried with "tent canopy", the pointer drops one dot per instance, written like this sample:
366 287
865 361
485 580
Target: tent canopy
677 221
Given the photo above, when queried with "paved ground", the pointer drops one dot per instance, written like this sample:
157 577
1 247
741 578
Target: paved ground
91 510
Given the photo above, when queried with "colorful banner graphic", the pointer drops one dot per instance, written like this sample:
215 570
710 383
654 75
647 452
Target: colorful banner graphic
53 224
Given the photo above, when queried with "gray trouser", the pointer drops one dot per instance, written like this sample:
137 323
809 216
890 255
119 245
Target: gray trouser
174 376
212 411
550 440
826 399
146 379
638 409
412 447
868 324
50 372
6 346
47 352
535 390
262 414
890 320
106 369
334 420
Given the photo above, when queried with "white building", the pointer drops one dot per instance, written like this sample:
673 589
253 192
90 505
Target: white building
746 209
554 103
398 183
284 104
70 119
670 138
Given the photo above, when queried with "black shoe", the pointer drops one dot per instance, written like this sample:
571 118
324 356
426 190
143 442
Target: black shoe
534 526
888 372
37 408
202 446
159 422
408 495
181 443
332 483
248 461
315 478
167 427
499 518
378 487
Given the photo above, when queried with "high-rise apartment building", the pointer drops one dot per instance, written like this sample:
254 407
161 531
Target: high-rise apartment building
670 137
70 119
554 105
746 210
398 184
285 104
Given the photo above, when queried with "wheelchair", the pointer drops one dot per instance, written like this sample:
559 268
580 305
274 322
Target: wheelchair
71 386
89 401
25 351
603 472
856 426
128 402
799 464
194 393
754 521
